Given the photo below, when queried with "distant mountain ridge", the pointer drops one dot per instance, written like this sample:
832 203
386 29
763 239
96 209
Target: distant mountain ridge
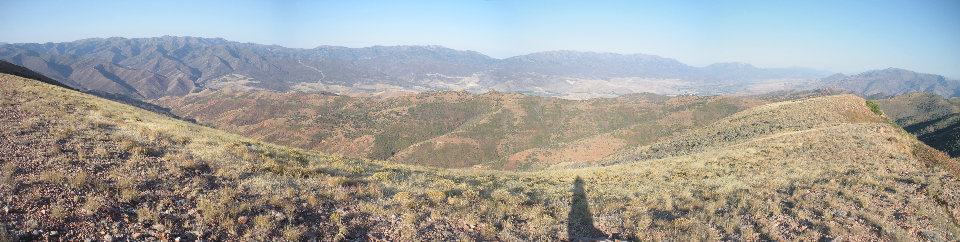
174 66
149 68
895 81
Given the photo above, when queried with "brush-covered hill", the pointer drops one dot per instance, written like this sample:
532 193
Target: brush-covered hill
782 118
932 118
456 129
74 167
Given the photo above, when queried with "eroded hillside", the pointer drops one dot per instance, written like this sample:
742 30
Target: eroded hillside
75 166
456 129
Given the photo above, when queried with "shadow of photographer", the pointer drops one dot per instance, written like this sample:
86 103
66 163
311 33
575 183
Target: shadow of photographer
580 221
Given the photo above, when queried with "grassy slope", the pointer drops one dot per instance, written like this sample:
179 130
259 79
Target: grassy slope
933 119
80 164
456 129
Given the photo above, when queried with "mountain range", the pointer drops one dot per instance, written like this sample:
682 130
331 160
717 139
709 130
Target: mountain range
149 68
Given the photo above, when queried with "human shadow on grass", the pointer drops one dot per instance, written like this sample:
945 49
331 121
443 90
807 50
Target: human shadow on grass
580 220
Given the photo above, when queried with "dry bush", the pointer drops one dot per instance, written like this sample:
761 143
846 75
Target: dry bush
292 233
180 140
6 173
129 194
52 176
405 199
437 197
127 186
312 200
264 223
54 149
127 145
177 163
223 208
78 180
341 233
4 235
57 211
101 151
92 205
145 214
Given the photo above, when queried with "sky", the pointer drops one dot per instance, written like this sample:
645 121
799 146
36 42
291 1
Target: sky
840 36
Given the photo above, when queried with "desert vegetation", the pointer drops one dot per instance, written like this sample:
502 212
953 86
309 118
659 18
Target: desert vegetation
75 166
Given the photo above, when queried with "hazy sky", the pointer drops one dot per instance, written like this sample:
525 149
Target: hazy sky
842 36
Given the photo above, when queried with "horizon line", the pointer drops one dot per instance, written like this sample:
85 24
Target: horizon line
484 54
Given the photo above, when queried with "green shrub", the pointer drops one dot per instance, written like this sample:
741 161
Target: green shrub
874 107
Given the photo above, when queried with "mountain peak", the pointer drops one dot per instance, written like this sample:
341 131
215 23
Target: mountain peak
892 71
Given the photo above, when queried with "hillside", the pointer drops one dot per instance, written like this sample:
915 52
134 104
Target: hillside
75 166
782 118
149 68
455 129
932 118
10 68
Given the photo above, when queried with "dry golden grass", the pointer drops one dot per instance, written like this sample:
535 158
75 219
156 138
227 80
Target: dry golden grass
823 168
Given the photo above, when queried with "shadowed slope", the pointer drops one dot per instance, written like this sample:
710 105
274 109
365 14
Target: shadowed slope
10 68
932 118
